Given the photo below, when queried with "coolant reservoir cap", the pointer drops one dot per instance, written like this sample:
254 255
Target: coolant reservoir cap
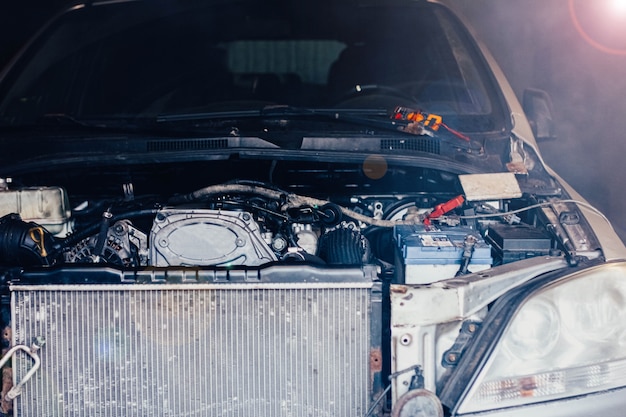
418 403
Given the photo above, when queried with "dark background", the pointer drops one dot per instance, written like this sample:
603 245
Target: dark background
537 44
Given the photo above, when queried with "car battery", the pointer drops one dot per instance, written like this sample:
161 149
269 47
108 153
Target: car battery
512 243
433 254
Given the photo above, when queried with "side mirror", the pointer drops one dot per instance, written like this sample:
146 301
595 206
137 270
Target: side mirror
538 108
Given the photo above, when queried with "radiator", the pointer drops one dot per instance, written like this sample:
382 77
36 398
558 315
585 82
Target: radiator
195 350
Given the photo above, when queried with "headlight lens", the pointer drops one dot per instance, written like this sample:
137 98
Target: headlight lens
568 339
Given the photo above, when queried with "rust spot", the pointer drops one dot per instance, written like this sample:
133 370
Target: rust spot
6 336
517 168
376 361
7 383
399 289
6 406
408 297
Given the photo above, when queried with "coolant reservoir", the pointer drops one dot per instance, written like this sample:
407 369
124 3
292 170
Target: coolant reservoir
47 206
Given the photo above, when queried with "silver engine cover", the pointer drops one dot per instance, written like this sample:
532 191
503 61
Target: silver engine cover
207 237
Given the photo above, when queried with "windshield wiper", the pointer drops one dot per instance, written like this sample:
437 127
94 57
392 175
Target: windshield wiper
377 118
373 118
272 111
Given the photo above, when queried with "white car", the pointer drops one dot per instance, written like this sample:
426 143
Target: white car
285 208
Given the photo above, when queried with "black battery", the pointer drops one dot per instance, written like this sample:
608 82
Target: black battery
510 243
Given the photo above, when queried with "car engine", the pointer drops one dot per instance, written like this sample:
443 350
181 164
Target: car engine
250 224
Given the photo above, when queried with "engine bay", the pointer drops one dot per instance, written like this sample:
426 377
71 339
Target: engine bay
164 251
433 225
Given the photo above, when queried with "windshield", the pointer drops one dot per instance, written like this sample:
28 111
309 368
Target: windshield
138 61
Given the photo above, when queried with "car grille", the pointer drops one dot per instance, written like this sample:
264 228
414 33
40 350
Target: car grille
195 350
428 145
186 145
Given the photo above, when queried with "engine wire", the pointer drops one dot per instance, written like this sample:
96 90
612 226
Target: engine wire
291 200
540 205
378 400
386 390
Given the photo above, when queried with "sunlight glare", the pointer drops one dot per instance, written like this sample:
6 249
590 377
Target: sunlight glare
618 6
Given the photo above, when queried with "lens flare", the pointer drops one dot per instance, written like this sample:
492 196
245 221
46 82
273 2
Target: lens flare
613 11
375 167
618 6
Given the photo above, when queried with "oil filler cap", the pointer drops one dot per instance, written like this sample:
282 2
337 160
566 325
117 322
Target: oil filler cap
418 403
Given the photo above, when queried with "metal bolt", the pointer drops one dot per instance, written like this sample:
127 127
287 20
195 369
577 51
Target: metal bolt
118 229
38 343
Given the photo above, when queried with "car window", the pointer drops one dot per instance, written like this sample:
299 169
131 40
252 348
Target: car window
136 63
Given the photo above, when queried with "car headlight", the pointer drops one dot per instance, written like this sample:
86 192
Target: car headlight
567 338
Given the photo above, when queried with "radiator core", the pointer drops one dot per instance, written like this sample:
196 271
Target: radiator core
195 350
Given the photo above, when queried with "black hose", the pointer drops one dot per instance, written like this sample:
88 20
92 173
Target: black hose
105 223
